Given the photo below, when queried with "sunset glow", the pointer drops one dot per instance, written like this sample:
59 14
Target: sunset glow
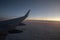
50 19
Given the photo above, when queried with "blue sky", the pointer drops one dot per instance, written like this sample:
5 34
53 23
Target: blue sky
40 9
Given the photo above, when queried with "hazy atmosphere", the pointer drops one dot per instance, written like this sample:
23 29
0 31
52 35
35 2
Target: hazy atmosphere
42 23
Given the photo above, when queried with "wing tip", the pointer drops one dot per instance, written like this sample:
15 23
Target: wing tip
28 12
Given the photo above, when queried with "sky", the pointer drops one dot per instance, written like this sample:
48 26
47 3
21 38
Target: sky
40 9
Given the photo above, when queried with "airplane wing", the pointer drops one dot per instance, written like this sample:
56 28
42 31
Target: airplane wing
11 24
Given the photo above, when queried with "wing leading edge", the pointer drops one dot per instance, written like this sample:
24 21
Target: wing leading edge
24 17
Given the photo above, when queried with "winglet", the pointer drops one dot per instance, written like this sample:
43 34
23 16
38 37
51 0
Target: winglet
27 13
